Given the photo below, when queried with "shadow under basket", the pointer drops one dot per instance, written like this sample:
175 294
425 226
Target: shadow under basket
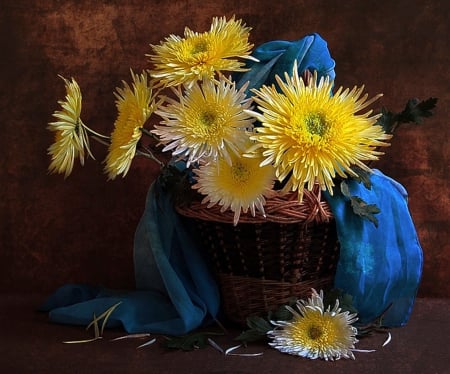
264 262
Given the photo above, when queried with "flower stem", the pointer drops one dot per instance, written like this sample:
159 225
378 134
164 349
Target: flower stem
100 139
92 132
146 152
148 133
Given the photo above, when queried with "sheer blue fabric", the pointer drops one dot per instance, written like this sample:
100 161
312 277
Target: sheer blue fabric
380 267
175 290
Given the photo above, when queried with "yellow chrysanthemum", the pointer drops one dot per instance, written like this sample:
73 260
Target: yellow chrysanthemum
135 105
207 121
71 138
185 60
310 135
241 186
315 332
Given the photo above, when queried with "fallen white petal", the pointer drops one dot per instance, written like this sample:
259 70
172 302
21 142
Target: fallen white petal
387 341
147 343
215 345
131 336
229 350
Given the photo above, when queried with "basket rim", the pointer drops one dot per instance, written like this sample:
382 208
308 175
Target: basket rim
282 207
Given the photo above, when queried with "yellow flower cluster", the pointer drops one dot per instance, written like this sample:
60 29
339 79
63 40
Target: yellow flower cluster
305 134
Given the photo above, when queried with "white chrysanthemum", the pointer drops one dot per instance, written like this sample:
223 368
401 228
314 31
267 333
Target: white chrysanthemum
315 332
208 120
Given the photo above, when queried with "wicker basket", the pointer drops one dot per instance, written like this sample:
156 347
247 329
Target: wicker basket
262 263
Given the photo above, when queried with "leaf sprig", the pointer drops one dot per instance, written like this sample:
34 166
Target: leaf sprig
359 206
98 331
190 342
414 112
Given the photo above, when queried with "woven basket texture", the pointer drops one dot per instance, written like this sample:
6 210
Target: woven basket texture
264 262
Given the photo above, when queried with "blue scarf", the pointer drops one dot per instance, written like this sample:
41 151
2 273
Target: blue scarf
380 267
175 290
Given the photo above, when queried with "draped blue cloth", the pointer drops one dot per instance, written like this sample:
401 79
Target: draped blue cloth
380 267
175 292
277 57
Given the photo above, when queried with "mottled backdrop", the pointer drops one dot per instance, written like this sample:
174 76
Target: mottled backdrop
54 231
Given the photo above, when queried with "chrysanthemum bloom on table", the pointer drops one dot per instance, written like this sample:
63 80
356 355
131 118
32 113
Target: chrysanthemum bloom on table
135 105
207 120
310 135
240 186
71 139
197 56
316 332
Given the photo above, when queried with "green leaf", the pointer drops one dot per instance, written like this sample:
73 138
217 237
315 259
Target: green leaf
189 342
250 336
363 176
177 183
259 324
387 121
258 328
345 300
361 208
344 189
282 313
414 112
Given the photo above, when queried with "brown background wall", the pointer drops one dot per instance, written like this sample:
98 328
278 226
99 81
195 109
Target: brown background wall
54 231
